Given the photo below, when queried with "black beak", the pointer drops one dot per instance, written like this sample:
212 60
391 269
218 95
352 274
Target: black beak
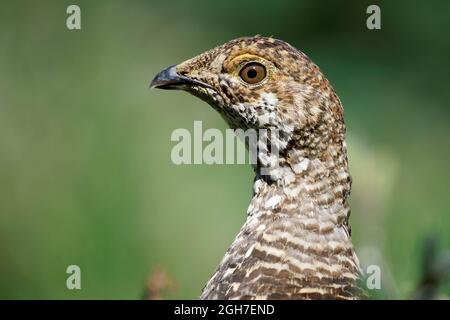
170 79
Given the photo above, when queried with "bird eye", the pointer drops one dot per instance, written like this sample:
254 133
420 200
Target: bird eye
253 73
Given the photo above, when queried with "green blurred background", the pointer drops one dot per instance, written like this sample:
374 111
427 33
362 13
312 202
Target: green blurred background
85 170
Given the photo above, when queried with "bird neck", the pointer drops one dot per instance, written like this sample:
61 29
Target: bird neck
296 240
307 192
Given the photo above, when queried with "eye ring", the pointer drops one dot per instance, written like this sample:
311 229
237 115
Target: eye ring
253 73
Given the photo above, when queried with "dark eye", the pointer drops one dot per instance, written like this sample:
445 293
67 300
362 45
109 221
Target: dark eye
253 73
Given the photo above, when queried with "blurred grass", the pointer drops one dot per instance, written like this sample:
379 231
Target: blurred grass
85 170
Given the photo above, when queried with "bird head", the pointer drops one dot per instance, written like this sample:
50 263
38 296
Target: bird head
259 82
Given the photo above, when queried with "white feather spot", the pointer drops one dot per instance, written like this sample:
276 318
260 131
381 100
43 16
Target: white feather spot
301 166
272 202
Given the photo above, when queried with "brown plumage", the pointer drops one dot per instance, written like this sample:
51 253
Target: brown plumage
296 241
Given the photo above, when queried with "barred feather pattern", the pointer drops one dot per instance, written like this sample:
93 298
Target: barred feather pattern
296 241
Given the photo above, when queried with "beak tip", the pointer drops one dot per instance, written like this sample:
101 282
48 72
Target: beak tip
165 78
152 84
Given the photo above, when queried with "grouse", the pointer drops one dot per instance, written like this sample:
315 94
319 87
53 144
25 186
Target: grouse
296 241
